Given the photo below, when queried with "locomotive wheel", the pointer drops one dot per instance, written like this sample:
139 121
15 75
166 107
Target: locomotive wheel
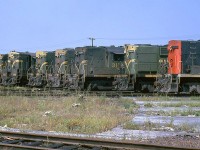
122 84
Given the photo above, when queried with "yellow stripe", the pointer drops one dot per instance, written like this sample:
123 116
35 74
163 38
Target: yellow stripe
45 63
63 63
83 62
109 76
16 61
151 75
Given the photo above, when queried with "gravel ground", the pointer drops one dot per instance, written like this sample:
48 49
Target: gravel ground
167 138
186 141
182 140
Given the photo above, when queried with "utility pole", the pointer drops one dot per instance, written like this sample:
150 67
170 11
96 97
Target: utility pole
92 39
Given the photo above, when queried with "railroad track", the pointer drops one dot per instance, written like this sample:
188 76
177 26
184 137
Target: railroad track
53 92
63 92
22 141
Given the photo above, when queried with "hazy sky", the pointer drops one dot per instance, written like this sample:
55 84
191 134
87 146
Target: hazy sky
30 25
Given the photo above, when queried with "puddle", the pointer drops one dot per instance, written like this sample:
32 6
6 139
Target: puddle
182 122
142 117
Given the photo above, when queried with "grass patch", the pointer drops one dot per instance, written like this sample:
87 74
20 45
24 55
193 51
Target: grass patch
195 97
146 126
148 105
149 126
166 98
154 98
188 112
180 104
66 114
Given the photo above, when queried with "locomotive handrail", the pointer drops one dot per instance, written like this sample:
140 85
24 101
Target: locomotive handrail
16 62
45 63
21 73
29 71
63 63
77 69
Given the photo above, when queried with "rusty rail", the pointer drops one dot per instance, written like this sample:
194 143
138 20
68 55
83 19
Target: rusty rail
43 142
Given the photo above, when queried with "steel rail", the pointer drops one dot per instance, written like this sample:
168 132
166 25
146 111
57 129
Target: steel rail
92 142
58 92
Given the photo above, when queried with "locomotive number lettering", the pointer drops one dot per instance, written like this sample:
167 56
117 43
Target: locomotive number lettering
162 60
115 65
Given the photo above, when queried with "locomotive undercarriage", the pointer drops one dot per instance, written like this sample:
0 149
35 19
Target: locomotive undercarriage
72 81
142 84
9 79
145 84
98 83
123 83
182 83
68 81
37 81
54 81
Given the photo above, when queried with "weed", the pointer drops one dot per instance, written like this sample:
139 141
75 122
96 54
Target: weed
180 104
148 105
92 114
187 112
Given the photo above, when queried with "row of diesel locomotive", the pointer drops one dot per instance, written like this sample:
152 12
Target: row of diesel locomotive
183 74
129 67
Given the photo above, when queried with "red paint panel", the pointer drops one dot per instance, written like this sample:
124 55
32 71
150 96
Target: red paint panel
174 57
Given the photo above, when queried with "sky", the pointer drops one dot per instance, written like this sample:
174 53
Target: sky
32 25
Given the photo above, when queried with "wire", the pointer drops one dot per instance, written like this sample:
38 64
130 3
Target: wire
56 45
147 38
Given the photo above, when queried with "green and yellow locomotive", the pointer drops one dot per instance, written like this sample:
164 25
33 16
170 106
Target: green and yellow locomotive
63 69
15 70
37 74
96 67
142 63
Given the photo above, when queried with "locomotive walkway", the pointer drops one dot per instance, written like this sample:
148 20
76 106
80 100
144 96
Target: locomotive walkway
22 141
